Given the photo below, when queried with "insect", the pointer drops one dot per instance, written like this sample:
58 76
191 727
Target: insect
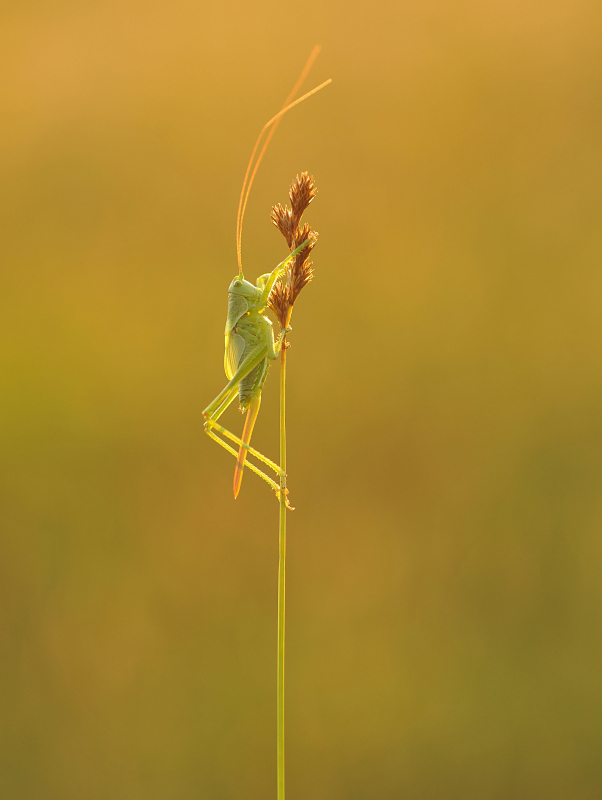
250 344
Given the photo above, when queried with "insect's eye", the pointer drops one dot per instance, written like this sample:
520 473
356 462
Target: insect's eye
238 283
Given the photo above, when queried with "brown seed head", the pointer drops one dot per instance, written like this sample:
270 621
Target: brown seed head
282 217
302 192
280 302
299 272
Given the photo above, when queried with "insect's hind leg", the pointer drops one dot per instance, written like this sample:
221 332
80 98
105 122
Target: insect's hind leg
278 488
248 464
225 397
223 405
215 409
211 423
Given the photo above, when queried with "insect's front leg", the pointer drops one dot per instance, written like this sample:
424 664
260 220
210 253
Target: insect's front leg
266 282
274 347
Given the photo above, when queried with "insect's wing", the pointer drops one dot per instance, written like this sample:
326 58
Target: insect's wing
235 346
237 307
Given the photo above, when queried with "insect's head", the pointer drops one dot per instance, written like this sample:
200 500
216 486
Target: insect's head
243 288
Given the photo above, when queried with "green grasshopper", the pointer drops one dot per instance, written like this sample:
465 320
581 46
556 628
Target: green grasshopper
250 346
250 341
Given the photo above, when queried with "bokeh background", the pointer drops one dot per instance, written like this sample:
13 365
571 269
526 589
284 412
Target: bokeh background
444 589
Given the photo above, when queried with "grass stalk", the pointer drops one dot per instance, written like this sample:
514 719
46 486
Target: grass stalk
281 580
300 241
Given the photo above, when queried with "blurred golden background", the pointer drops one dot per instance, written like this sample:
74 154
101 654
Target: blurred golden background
445 387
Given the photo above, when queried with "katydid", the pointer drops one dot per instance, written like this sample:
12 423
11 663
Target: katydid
250 346
250 341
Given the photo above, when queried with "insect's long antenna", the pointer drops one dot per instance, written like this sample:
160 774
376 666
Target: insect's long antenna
304 72
274 121
248 182
242 201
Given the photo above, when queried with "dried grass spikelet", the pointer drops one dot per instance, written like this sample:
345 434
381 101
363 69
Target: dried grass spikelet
299 272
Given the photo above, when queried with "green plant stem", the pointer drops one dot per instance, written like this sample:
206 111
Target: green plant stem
281 577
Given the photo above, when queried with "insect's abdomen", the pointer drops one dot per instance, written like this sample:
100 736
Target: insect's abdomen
252 384
250 328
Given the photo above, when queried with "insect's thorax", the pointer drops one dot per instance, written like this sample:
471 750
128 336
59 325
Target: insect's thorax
252 326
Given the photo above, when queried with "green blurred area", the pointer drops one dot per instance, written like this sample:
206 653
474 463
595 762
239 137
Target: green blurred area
444 590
